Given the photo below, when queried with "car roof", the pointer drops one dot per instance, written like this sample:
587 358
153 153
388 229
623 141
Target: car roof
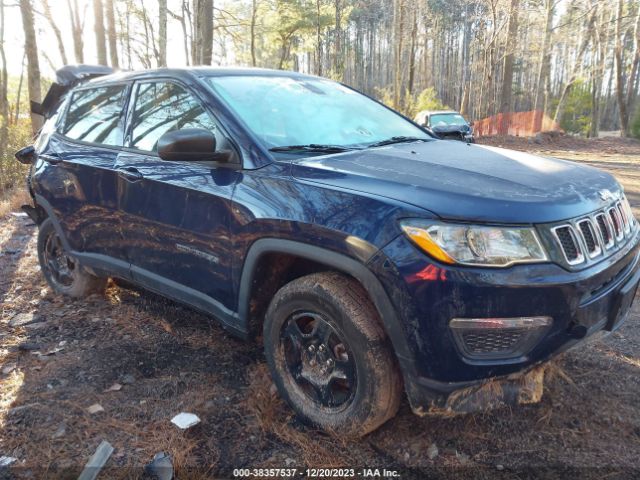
190 72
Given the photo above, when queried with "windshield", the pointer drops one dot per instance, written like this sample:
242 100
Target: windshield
445 119
284 111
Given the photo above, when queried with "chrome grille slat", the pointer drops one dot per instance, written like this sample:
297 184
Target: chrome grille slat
591 240
568 239
616 221
605 230
623 216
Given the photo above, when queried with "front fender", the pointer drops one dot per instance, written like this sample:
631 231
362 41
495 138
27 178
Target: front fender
339 262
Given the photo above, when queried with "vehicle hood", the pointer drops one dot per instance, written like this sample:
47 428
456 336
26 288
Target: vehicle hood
451 128
458 181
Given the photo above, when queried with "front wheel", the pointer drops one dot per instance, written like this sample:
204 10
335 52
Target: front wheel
63 272
329 356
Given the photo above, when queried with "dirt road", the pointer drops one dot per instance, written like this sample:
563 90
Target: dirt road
144 359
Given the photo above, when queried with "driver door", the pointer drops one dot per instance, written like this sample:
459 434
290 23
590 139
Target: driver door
176 215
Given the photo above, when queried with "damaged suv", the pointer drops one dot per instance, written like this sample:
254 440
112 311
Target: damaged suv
370 258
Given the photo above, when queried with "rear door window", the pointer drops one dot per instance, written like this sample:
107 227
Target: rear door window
161 107
95 115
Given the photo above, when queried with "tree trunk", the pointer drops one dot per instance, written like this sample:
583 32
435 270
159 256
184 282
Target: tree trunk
545 63
338 64
577 66
19 93
601 36
318 40
622 106
77 27
33 65
506 100
56 31
254 13
111 34
202 45
207 32
162 34
4 101
397 38
412 52
101 46
632 89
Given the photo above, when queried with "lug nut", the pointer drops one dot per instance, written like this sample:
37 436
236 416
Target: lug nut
330 362
321 348
311 349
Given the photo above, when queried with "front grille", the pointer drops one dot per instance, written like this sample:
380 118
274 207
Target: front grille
595 234
479 342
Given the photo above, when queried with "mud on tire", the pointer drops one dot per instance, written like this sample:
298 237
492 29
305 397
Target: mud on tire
329 356
62 272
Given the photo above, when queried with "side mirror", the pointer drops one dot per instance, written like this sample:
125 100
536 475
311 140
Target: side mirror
26 155
190 145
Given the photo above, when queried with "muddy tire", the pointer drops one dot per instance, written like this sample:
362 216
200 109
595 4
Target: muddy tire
63 273
329 356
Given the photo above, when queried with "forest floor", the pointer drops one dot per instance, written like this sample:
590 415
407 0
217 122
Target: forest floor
145 359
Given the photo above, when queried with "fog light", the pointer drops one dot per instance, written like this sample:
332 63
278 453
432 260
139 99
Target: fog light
498 338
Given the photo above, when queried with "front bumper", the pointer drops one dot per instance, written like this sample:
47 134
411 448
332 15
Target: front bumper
440 377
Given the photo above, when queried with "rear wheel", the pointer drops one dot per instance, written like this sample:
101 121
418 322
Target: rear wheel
329 356
62 271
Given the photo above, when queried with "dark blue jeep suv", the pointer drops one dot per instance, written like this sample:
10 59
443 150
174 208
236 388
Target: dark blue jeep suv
367 255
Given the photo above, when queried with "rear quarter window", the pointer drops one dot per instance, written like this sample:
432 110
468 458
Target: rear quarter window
95 115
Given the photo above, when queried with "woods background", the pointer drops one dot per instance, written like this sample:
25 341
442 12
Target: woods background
578 61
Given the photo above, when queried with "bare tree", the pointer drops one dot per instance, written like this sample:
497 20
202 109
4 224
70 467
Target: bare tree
577 65
622 105
162 34
101 46
544 71
206 32
56 31
338 62
111 34
398 8
254 14
186 36
632 80
77 27
506 102
4 101
33 65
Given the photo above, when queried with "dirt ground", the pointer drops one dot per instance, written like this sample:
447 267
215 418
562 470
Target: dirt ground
166 359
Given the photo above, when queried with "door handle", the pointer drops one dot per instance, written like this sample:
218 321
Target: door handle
130 174
53 160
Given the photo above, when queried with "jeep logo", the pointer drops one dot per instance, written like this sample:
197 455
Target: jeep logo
605 195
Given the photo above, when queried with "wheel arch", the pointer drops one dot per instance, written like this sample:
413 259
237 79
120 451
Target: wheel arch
330 260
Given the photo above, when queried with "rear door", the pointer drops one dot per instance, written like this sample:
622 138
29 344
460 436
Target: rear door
176 214
77 176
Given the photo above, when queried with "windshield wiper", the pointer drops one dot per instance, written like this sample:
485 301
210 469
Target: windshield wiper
400 139
312 147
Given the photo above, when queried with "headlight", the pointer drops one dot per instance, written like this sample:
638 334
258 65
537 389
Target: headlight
476 245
